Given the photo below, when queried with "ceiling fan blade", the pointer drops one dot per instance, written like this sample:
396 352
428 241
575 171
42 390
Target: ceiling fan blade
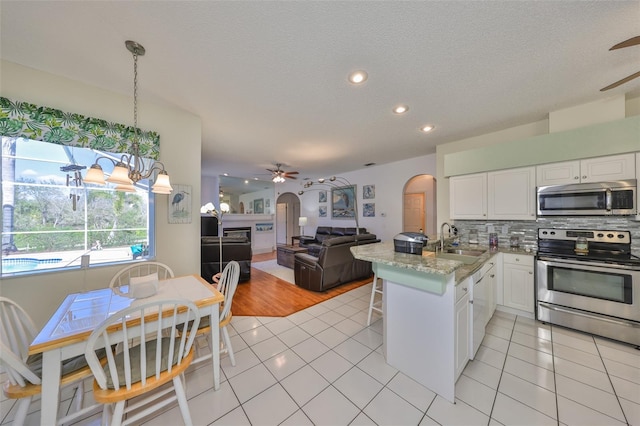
619 82
291 173
290 177
633 41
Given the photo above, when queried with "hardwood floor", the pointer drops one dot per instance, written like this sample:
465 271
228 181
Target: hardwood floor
269 296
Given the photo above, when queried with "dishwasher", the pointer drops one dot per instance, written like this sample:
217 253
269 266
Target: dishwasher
480 306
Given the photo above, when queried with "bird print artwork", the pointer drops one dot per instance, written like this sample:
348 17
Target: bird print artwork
180 204
177 198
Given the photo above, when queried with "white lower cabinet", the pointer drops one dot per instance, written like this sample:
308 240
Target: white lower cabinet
462 326
518 284
491 288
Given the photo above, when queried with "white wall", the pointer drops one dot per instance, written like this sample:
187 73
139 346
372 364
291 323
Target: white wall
178 245
389 180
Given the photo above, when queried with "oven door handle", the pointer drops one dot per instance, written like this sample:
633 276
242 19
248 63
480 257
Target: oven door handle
586 265
581 314
609 200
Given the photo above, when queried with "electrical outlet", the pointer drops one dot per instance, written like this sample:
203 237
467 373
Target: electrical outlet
505 229
490 229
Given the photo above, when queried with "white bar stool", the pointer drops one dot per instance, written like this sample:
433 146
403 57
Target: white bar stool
375 305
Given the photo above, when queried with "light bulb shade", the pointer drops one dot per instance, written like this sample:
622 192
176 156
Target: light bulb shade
162 184
161 192
207 208
95 175
120 175
225 208
125 188
302 221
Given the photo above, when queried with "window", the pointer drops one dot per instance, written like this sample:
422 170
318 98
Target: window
51 219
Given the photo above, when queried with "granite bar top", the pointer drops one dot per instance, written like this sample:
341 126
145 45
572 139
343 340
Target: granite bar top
427 262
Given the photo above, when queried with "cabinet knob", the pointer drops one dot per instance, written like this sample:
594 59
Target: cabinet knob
471 302
530 273
584 177
576 177
483 214
464 288
492 275
517 259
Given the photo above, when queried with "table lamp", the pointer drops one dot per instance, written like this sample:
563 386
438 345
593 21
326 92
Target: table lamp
302 221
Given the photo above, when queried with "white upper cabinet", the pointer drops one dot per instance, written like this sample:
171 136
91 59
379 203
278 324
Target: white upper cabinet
512 194
558 173
601 169
468 196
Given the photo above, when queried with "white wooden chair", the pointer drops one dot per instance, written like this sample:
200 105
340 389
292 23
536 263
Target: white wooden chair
139 370
227 286
139 270
24 372
375 304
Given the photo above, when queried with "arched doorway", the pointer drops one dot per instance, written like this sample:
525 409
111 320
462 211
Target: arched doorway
287 214
419 208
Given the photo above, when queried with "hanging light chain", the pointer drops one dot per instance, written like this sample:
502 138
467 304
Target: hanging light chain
135 92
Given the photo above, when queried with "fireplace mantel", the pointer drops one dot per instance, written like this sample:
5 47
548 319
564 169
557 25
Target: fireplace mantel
261 242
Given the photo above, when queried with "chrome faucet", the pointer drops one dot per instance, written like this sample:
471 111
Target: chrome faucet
442 235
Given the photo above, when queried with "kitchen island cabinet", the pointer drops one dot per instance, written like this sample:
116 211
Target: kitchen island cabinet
425 314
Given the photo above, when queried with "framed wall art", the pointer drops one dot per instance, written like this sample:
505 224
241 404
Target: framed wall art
264 227
368 209
180 204
258 206
343 201
322 196
368 192
322 211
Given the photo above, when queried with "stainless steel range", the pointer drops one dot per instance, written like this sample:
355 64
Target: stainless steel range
590 281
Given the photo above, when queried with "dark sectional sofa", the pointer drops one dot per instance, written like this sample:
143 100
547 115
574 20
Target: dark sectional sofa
326 232
233 248
334 264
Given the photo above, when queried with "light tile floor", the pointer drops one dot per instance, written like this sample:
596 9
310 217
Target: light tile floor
324 366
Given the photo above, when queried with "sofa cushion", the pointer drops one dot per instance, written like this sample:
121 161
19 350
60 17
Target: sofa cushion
365 237
338 240
338 232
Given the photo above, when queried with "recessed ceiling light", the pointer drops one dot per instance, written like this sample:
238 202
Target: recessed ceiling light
427 128
358 77
400 109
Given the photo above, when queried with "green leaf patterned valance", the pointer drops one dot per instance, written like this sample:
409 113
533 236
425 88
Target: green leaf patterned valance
22 119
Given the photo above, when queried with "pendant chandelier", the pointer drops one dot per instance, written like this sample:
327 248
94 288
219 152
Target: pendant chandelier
130 168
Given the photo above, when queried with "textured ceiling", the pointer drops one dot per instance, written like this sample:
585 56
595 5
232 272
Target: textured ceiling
269 81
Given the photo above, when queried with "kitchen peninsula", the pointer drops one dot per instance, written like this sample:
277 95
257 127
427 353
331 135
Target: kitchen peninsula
425 313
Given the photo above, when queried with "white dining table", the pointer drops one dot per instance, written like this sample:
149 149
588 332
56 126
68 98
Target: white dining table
65 334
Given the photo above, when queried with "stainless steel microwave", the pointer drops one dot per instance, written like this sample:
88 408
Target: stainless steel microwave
588 199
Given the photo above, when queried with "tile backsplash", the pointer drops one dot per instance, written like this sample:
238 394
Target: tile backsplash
527 231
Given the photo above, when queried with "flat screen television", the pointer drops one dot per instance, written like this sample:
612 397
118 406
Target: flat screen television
208 226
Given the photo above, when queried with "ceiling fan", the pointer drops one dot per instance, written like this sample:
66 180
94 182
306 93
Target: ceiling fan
278 174
633 41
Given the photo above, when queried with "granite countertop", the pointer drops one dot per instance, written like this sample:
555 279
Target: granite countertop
427 262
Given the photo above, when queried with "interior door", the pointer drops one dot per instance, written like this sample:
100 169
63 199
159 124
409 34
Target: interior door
281 223
413 213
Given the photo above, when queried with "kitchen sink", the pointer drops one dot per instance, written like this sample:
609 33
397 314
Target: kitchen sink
464 258
475 253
